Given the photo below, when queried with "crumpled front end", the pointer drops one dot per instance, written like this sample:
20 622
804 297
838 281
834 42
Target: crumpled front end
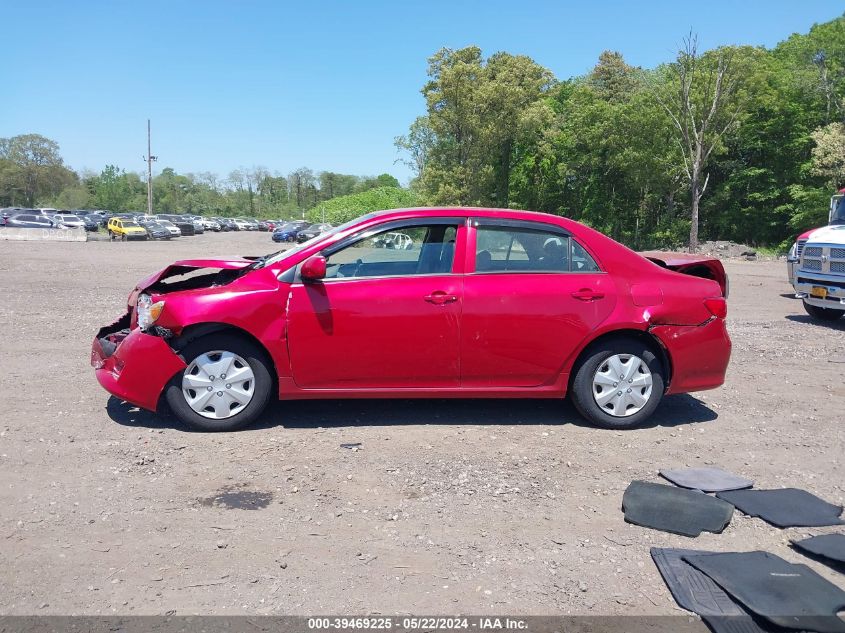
132 365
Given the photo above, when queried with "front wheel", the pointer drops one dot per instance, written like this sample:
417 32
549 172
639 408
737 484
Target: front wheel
619 384
225 386
823 314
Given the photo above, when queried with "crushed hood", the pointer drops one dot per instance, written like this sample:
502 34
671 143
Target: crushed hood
187 265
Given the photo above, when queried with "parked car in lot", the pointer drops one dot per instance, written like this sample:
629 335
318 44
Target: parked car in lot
241 224
309 233
209 224
92 221
226 224
125 229
175 231
7 212
398 241
186 227
156 230
199 227
486 303
287 231
31 221
69 221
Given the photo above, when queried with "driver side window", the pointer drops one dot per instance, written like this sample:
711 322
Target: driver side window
396 252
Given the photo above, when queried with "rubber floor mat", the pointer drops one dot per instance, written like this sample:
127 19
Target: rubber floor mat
788 507
828 546
788 595
696 592
706 479
674 510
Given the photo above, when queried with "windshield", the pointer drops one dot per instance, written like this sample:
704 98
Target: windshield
838 214
274 257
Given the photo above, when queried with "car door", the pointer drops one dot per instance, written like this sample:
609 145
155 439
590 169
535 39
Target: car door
382 318
531 298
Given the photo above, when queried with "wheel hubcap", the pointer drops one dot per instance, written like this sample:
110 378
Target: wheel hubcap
622 385
218 384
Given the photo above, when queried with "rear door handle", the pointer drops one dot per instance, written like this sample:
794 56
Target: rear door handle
587 294
438 297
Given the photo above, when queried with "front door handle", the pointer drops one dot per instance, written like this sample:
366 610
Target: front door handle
438 297
587 294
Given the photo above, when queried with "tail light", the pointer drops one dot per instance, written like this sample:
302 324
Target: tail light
718 306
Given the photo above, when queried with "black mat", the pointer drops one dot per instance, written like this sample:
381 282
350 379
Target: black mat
788 507
706 479
792 596
674 509
830 547
696 592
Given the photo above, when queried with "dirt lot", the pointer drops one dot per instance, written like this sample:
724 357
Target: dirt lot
470 506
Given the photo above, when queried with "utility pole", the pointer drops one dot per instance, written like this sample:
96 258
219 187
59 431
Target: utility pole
149 158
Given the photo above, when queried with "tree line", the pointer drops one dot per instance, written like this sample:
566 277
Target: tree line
741 143
32 173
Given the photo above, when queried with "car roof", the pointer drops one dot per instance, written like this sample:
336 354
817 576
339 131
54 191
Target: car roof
487 212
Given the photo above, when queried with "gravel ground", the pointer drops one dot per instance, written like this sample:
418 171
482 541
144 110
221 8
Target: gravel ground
445 506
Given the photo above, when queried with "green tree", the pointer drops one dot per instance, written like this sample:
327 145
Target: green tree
36 169
112 190
345 208
473 122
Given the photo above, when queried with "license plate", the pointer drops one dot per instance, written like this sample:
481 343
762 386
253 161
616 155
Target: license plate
819 292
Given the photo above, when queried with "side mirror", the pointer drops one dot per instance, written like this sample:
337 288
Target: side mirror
313 268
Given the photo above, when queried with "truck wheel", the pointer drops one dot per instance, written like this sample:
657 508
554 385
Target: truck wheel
225 386
823 314
619 384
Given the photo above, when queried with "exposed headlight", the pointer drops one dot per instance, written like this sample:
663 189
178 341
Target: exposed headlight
148 312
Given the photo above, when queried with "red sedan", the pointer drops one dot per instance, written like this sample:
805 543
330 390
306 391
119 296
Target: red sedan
469 303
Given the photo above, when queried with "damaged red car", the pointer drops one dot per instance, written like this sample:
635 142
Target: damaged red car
480 303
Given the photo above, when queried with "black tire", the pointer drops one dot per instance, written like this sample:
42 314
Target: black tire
823 314
258 362
594 358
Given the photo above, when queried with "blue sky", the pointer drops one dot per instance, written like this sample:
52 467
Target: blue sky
321 84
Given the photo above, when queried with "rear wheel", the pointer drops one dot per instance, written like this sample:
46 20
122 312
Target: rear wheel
619 384
225 386
823 314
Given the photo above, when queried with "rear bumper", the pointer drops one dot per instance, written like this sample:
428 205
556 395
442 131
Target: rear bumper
699 354
132 365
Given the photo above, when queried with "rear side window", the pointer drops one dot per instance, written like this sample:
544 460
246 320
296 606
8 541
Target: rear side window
581 261
516 249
